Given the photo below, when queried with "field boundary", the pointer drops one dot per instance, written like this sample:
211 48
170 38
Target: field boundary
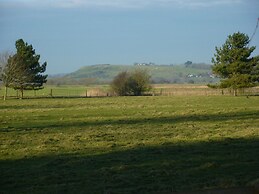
100 91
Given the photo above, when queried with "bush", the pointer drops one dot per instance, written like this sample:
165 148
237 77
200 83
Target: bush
131 84
119 84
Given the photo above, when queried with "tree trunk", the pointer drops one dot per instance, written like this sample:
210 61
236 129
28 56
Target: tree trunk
21 93
5 92
235 92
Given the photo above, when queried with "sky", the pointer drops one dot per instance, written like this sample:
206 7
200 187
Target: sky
70 34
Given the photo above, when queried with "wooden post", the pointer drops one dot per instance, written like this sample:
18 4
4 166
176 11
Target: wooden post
86 93
51 94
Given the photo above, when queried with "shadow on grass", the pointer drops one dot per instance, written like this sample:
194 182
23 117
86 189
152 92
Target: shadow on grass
239 116
163 168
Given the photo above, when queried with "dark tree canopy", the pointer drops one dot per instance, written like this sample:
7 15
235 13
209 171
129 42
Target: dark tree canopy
131 84
23 70
119 84
233 63
139 82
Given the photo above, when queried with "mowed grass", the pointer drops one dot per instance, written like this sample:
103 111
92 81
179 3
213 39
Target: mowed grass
128 144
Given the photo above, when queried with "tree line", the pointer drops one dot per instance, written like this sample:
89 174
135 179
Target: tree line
233 63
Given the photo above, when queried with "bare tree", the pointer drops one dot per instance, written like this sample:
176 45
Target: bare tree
4 56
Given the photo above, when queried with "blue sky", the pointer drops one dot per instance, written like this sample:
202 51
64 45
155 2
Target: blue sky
69 34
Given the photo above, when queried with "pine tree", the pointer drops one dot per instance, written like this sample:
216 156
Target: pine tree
234 64
23 70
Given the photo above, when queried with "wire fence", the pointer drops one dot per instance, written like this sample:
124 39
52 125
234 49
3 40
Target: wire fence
91 92
55 92
81 92
204 91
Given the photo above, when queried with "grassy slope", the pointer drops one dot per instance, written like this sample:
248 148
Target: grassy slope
106 73
128 144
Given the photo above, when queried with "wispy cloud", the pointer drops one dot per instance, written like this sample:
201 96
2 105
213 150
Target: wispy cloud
119 3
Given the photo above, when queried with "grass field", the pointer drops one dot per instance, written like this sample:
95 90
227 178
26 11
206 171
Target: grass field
60 91
128 144
105 90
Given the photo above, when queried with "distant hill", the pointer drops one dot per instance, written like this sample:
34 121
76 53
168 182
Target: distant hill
104 73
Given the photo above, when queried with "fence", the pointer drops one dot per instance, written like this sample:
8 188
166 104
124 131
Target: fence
203 91
82 92
56 92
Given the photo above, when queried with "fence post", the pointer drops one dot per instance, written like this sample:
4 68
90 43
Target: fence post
51 94
86 93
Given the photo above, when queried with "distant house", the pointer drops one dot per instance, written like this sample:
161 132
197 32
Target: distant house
144 64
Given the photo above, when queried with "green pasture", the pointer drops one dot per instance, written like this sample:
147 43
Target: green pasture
46 91
105 90
56 91
128 144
